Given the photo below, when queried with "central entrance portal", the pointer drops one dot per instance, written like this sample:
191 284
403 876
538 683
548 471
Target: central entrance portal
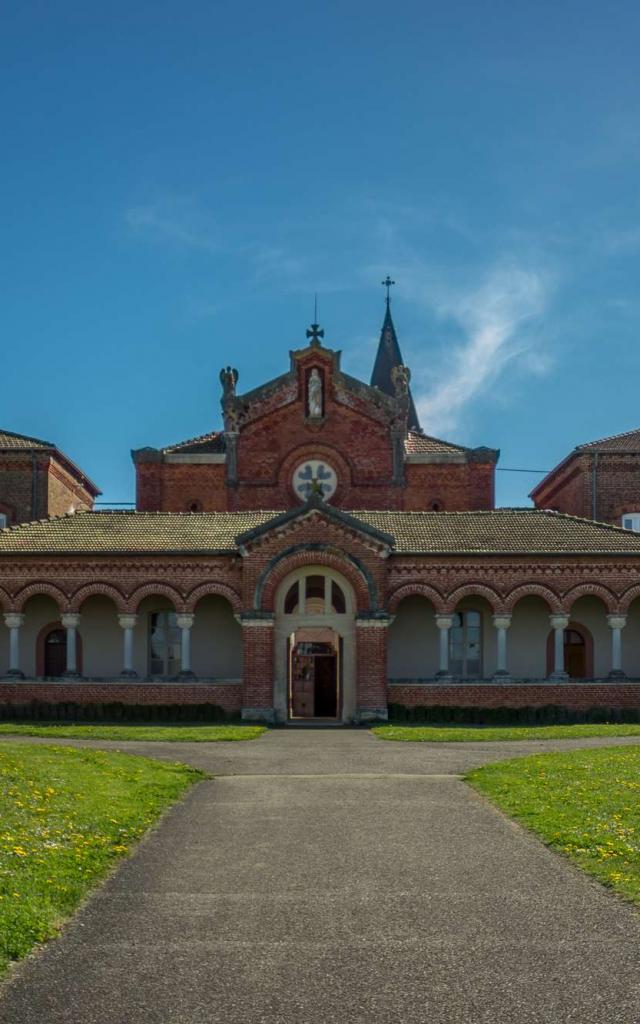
314 674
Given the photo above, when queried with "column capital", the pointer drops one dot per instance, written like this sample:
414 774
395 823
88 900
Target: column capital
184 621
559 621
617 621
501 621
127 621
70 620
444 621
13 620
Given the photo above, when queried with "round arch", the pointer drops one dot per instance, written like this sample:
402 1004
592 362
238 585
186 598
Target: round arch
97 590
416 590
533 590
474 590
43 667
137 596
305 555
608 598
6 601
47 589
628 597
584 656
216 590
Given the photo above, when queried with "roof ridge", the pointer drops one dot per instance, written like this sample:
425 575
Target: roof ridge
27 437
610 437
193 440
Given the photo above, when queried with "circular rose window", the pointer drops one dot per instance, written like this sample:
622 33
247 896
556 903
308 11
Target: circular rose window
314 475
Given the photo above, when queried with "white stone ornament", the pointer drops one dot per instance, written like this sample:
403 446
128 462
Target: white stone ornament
315 393
314 474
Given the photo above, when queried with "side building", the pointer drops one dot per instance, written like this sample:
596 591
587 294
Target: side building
38 480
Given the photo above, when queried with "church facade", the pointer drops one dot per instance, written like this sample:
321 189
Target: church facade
320 557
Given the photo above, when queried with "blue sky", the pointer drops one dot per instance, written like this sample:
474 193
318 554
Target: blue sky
179 178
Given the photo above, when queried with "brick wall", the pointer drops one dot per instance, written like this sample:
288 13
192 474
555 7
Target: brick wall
570 488
224 695
56 489
580 697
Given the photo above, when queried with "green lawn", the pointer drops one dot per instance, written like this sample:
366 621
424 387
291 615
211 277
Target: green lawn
483 734
66 816
164 733
585 804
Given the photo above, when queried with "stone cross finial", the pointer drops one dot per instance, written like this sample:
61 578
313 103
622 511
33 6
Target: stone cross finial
315 332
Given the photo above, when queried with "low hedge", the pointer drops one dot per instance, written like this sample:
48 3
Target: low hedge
72 711
546 714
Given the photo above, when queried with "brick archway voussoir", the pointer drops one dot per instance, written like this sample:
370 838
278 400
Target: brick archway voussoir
215 590
416 590
44 588
264 598
553 600
6 601
137 596
474 590
98 590
609 599
629 596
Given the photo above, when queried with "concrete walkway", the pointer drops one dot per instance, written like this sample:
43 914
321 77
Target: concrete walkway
331 877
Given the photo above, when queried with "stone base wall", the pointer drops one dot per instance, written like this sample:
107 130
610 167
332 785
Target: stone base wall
578 696
225 695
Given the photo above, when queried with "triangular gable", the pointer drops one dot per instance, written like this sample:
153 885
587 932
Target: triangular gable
316 505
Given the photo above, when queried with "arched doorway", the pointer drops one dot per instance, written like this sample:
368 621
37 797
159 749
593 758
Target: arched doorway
55 653
578 651
315 649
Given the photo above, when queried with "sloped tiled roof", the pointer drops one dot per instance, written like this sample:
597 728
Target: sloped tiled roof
503 531
417 444
629 442
10 440
206 444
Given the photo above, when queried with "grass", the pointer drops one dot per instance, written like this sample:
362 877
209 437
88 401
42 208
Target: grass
484 734
585 804
66 816
146 733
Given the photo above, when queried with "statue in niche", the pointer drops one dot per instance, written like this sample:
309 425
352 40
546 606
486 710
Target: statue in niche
315 393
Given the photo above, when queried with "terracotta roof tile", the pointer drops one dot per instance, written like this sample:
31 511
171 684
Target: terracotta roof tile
10 440
503 531
206 444
418 443
629 442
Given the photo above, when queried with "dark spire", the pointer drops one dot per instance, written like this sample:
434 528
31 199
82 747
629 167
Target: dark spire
388 356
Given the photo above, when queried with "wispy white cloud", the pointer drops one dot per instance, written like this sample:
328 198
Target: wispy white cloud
497 321
173 220
497 328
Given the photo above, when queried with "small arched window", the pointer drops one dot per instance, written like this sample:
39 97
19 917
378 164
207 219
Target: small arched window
437 506
195 506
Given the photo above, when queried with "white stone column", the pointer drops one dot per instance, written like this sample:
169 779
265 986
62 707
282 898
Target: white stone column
502 623
558 623
13 621
184 623
127 624
71 621
616 624
444 624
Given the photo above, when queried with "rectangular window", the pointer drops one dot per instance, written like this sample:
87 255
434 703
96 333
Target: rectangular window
164 644
465 645
3 520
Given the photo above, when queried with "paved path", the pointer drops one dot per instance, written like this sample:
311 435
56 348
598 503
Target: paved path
330 877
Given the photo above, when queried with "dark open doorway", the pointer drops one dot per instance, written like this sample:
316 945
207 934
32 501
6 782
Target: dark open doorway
313 679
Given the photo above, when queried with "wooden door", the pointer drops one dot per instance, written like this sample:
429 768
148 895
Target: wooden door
575 654
326 688
55 653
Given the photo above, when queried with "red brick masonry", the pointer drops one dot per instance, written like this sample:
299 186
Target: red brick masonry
580 696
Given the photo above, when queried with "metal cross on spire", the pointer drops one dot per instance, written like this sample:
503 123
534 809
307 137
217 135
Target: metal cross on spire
387 284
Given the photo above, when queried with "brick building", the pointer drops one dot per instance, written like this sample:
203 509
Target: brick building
598 480
38 480
320 556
